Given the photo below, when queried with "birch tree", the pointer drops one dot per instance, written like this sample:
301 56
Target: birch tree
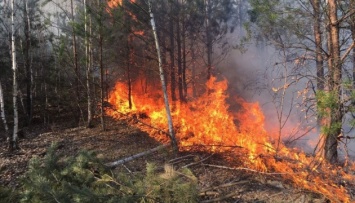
13 142
162 79
2 112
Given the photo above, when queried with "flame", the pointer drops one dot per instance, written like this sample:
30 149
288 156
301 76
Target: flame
116 3
208 121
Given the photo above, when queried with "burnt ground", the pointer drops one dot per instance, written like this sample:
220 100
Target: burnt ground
122 139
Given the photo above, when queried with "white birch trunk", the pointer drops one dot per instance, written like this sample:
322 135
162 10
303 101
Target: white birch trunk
2 110
88 68
14 69
162 79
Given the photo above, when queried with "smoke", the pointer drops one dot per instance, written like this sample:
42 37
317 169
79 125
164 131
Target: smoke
258 75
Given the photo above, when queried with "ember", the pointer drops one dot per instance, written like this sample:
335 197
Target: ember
207 121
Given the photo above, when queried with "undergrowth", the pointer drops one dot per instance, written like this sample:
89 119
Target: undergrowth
84 178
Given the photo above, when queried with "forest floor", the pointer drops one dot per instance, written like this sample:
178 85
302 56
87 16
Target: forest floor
122 139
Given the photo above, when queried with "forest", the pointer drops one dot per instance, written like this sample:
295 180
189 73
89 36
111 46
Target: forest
177 101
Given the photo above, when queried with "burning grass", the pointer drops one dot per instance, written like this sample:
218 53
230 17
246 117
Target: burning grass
207 121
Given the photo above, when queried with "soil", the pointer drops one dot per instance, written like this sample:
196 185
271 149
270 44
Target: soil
123 139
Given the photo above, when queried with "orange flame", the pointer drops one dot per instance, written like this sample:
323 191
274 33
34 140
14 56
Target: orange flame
208 121
116 3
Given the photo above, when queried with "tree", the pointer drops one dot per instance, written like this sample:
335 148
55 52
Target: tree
281 24
27 62
87 64
316 5
218 19
2 112
75 52
333 119
13 142
162 79
102 82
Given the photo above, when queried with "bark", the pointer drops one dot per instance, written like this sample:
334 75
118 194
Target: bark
352 28
172 56
91 64
193 71
102 95
163 54
136 156
179 56
88 67
102 88
129 54
208 38
75 54
13 142
162 37
183 75
2 110
27 64
335 114
318 42
129 65
162 78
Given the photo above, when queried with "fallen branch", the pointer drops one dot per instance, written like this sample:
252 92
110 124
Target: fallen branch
194 163
202 145
245 169
208 193
224 186
127 159
219 199
178 159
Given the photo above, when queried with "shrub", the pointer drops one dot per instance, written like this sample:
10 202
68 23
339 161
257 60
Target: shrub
84 178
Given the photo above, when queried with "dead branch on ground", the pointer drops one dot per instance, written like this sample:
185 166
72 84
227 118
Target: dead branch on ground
127 159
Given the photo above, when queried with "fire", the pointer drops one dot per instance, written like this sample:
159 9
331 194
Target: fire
208 121
115 3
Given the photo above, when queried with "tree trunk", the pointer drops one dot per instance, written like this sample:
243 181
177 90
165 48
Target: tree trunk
352 28
27 64
333 127
193 70
2 115
183 75
75 55
208 39
179 57
136 156
161 72
129 66
172 55
162 37
13 142
102 96
87 67
318 43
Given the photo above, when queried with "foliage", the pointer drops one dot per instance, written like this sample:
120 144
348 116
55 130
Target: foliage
84 178
8 195
325 101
